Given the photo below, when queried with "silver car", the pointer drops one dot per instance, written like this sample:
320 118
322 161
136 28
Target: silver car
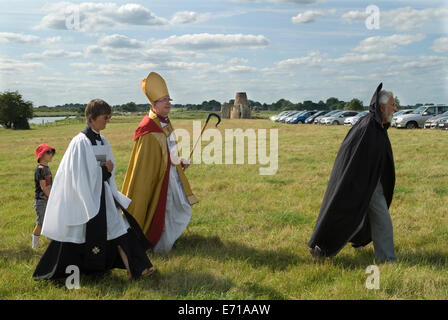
339 118
399 113
318 120
284 115
437 123
443 125
273 118
350 121
432 123
417 118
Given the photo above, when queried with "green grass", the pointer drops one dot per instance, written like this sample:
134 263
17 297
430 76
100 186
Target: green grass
248 234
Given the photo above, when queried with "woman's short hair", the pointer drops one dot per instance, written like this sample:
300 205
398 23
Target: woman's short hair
97 107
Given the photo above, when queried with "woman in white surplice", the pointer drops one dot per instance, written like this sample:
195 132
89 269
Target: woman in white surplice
83 217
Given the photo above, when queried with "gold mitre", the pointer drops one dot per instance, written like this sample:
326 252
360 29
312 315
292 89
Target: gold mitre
154 87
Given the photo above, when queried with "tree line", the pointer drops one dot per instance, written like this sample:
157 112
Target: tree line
15 111
213 105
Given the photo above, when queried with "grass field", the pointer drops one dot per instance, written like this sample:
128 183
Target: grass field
248 234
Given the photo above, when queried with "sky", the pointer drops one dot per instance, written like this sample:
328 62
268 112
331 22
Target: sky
56 52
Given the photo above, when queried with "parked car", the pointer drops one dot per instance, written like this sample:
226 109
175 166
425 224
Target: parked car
274 118
350 121
398 113
431 122
283 116
300 118
318 120
339 118
314 116
417 118
443 124
441 120
291 116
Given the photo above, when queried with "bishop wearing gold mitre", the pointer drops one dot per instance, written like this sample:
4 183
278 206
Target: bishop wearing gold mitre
155 180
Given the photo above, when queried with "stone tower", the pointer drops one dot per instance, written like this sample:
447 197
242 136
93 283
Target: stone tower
240 109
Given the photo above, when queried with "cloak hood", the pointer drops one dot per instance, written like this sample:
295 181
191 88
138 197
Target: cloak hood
375 108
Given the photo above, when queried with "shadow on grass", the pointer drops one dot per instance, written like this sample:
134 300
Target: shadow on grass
19 254
423 258
176 284
214 248
366 257
260 291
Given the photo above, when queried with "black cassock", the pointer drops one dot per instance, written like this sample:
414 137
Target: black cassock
97 255
364 158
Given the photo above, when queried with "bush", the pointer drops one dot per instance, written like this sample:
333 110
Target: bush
14 111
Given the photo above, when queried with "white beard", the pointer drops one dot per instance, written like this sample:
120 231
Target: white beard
389 118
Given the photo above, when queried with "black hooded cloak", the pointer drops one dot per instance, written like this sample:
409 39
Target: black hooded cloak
364 158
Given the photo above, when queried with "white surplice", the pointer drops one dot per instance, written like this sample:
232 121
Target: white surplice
178 209
76 194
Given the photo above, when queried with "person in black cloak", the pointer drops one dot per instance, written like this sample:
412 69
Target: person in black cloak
355 207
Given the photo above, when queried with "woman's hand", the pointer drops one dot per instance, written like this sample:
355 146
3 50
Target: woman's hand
185 163
109 164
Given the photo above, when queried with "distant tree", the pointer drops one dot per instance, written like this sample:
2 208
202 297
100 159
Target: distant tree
308 105
283 104
129 107
354 104
332 102
254 105
397 102
211 105
14 111
81 111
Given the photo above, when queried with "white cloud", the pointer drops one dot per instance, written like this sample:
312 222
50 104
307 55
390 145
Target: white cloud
352 58
441 45
388 43
239 69
427 63
186 17
52 54
307 16
401 19
181 65
405 19
53 40
120 41
206 41
141 54
236 61
10 37
311 60
82 64
95 16
125 69
27 39
281 1
121 69
12 66
354 16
